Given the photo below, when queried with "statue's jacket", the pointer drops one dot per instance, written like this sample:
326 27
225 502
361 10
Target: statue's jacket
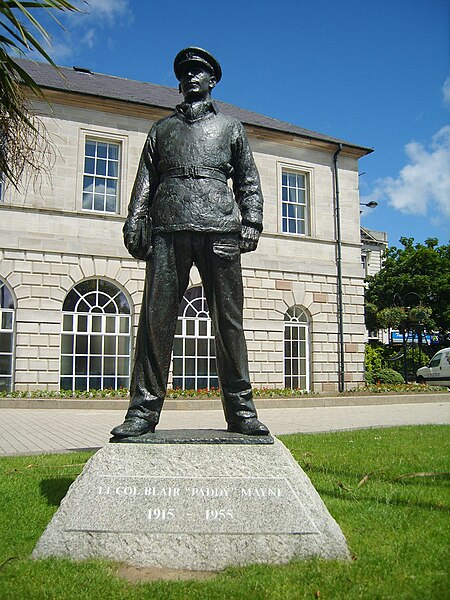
186 162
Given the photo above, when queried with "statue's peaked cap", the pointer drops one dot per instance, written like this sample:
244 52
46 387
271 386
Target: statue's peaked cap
196 55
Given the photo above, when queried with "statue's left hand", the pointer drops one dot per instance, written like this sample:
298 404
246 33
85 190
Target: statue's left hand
249 239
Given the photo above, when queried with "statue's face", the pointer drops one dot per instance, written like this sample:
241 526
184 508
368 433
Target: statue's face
196 82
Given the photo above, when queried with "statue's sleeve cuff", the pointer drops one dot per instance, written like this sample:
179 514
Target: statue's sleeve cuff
257 226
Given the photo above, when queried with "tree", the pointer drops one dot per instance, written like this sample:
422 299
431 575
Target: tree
412 289
22 141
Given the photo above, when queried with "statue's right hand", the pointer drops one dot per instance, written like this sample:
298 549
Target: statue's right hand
137 237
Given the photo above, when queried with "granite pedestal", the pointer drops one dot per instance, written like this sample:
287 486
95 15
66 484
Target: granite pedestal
187 503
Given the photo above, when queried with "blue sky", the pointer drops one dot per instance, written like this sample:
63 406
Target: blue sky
373 72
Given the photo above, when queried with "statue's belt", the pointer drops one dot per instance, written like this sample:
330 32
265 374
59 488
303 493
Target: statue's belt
194 173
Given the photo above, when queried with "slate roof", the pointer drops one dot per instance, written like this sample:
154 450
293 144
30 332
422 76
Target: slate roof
83 81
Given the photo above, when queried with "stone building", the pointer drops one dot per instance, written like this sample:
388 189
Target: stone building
70 294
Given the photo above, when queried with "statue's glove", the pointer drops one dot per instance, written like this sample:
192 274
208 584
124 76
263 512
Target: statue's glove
249 238
137 236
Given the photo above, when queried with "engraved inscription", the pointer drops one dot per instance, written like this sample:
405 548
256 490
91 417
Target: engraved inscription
196 505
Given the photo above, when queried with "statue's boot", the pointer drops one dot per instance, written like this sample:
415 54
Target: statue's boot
240 413
249 426
132 427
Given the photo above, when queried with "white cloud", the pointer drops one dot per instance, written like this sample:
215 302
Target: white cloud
423 185
102 11
82 29
88 38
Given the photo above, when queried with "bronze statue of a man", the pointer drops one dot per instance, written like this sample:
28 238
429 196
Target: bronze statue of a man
182 212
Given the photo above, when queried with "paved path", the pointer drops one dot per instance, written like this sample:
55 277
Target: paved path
30 431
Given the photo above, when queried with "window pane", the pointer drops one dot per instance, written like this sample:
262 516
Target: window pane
110 324
123 382
203 328
82 323
123 366
177 347
81 344
96 344
88 184
81 383
67 344
300 181
90 148
66 383
177 366
113 169
89 165
6 342
110 345
5 364
190 327
101 167
95 365
110 204
113 151
190 347
124 325
202 366
96 323
111 187
81 365
67 322
99 202
87 201
95 383
123 346
7 320
109 366
202 347
122 302
109 383
66 365
102 150
100 186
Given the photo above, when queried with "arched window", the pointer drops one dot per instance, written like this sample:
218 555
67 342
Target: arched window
7 313
194 353
296 349
95 338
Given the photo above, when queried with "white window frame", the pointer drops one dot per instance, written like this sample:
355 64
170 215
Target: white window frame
8 327
96 325
105 136
193 331
298 320
308 174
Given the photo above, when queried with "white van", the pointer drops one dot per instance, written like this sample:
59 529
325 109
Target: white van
438 371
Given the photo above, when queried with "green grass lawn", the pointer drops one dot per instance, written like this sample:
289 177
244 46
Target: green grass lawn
397 527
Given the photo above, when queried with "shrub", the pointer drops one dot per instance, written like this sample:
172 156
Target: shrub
384 376
375 357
